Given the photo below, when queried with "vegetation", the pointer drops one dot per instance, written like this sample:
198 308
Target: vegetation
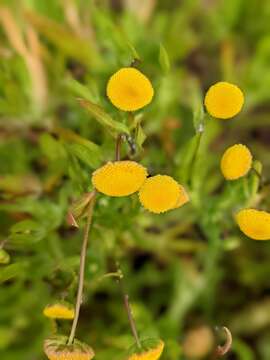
186 271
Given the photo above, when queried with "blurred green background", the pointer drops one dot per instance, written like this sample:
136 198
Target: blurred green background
186 271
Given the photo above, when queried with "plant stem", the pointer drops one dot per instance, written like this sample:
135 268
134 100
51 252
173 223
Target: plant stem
195 155
118 147
129 310
131 320
82 268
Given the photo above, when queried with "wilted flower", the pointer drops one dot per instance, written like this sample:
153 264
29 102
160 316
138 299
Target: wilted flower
151 350
224 100
59 310
198 342
254 223
129 89
56 348
119 178
161 193
236 162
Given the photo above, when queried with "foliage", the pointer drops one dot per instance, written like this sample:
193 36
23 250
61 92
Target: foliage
188 267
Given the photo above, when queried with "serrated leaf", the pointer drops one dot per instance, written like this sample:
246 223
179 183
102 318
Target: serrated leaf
103 118
11 271
164 60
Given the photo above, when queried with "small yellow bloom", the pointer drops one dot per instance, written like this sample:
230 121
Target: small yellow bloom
119 178
161 193
224 100
56 348
60 310
236 162
254 223
129 89
149 354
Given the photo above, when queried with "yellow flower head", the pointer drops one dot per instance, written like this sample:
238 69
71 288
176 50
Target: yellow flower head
254 223
119 178
151 352
129 89
56 348
236 162
224 100
59 310
161 193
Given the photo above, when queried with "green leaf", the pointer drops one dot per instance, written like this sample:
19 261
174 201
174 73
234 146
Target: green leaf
103 118
51 147
4 257
11 271
64 39
80 90
26 232
140 136
164 60
88 155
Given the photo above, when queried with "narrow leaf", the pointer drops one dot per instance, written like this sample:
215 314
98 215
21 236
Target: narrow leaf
103 118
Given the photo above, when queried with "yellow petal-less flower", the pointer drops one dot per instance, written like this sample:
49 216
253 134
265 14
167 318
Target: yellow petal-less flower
119 178
56 348
254 223
224 100
60 310
129 89
153 353
161 193
236 162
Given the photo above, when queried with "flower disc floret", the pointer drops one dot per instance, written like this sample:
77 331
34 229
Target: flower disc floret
59 310
119 178
236 162
56 348
129 89
161 193
224 100
254 223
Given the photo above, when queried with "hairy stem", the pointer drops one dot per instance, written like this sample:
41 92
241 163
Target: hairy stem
82 268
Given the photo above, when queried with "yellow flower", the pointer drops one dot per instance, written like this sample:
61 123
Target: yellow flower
236 162
224 100
129 89
56 348
119 178
254 223
152 353
161 193
60 310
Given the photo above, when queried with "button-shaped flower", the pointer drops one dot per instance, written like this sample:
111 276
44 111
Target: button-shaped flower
119 178
151 350
59 310
254 223
224 100
161 193
129 89
236 162
56 348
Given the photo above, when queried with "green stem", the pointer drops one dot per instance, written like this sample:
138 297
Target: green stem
82 269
